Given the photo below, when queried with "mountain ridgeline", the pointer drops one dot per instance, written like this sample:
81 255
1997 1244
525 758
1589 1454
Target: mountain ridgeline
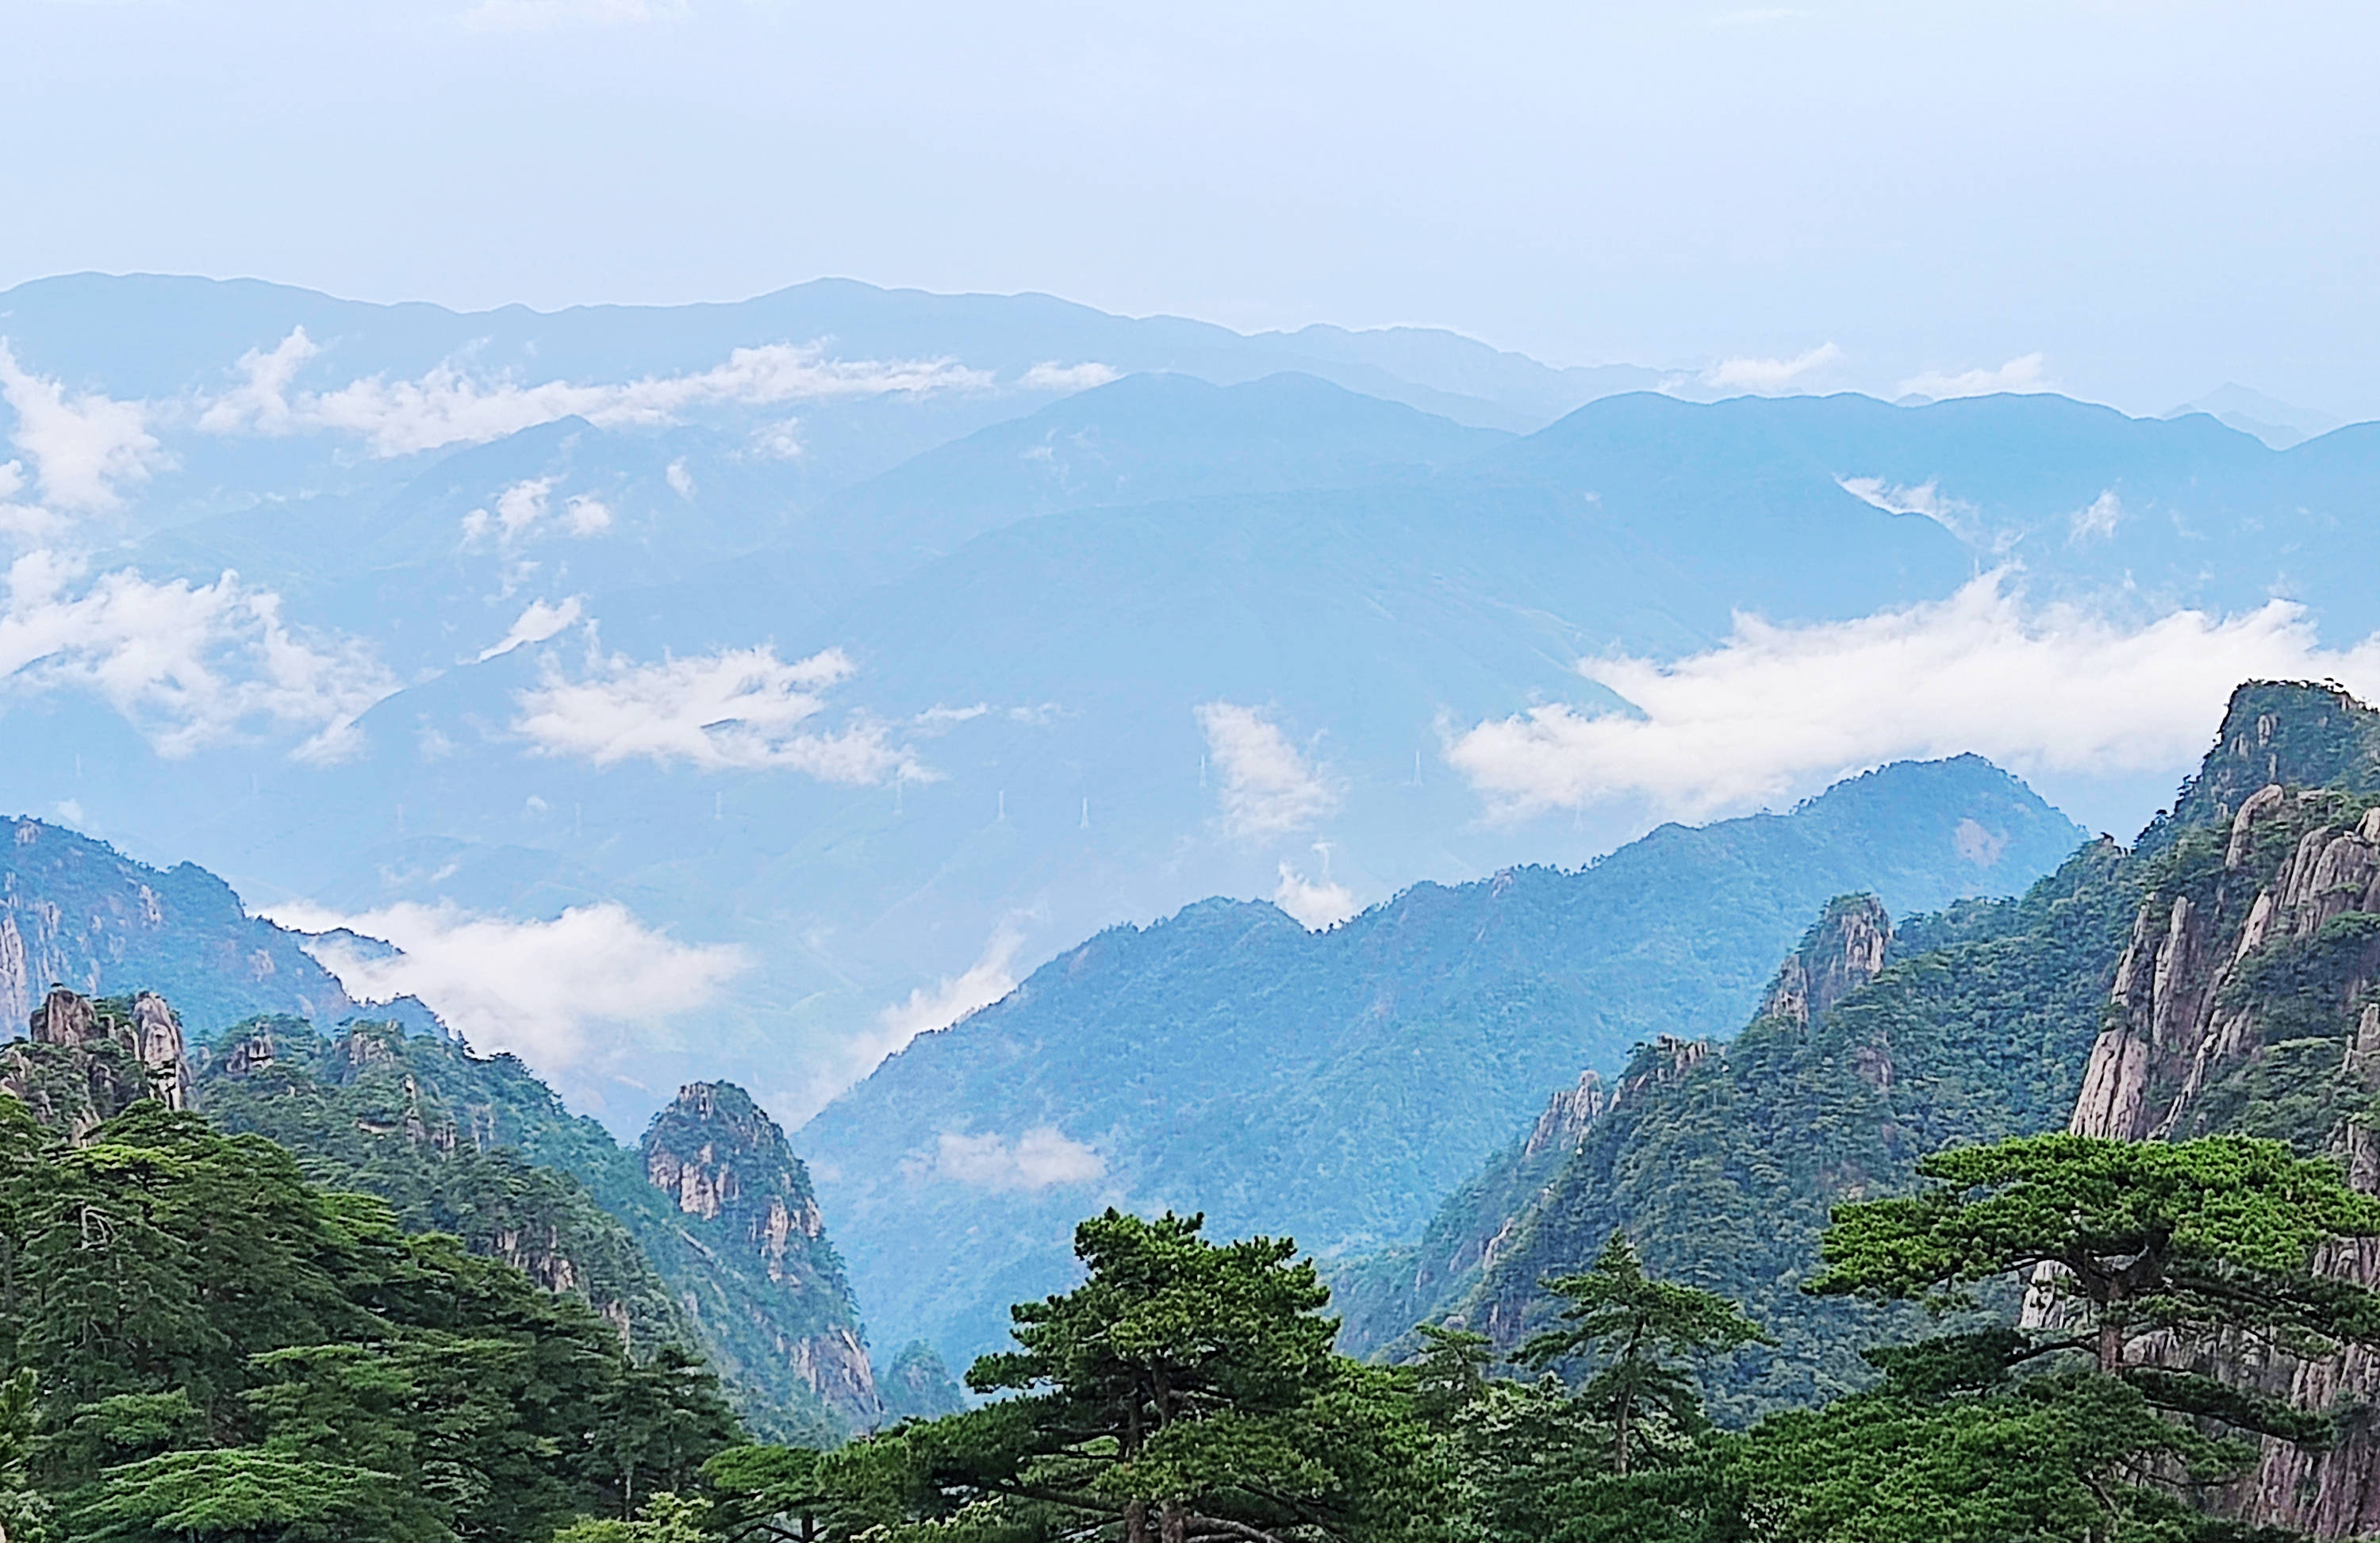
705 1236
2220 976
1335 1086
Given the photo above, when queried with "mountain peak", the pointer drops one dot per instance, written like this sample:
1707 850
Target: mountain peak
2293 733
1841 952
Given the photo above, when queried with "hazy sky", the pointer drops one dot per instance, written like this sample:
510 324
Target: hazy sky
2154 197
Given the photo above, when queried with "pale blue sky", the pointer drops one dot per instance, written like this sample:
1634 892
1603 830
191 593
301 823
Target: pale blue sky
2154 198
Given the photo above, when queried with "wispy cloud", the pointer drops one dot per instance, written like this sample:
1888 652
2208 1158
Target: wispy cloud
2098 520
738 708
557 992
447 406
1316 904
82 445
186 664
1267 786
1770 377
1039 1158
1779 711
539 621
2024 373
1052 376
525 509
1961 518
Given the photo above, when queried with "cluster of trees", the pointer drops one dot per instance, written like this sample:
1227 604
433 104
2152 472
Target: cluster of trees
1187 1390
197 1343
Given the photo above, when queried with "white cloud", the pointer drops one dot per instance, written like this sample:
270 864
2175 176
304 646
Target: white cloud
927 1008
523 510
82 445
2098 520
535 624
1957 516
449 407
1052 376
23 519
585 514
738 708
681 481
2021 374
779 442
1267 786
1039 1158
1317 904
990 977
935 719
1768 376
553 992
186 664
260 403
1775 711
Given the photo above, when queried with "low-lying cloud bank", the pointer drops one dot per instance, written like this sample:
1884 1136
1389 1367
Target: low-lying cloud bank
559 993
1775 712
448 406
736 709
186 664
1037 1160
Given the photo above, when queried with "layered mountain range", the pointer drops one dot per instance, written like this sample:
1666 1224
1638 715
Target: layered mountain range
887 644
1336 1087
2220 976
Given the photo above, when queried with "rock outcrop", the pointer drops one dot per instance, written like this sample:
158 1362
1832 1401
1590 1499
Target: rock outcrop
1843 952
725 1165
2249 999
87 1061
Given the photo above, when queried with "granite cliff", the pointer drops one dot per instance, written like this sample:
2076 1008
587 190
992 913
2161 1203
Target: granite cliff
707 1234
76 912
779 1298
86 1062
2247 999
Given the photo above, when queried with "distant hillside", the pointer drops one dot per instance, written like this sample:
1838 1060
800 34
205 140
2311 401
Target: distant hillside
76 912
1335 1086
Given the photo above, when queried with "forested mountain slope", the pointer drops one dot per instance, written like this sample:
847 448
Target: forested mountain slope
2232 956
706 1234
76 912
1335 1086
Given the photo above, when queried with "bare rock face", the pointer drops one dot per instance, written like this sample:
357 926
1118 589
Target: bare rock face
2233 961
88 1061
1843 952
726 1166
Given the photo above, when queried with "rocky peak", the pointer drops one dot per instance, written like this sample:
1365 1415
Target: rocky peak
2295 733
727 1167
88 1060
1842 951
1568 1116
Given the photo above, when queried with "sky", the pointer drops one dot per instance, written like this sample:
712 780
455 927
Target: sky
2131 203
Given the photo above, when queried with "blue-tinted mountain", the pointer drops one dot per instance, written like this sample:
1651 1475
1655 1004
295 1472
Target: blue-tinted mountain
1348 560
1336 1085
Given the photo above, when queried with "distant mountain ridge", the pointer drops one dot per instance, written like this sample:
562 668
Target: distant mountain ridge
1027 586
1335 1086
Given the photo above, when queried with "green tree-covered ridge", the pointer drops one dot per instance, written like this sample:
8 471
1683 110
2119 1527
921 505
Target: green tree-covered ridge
1981 1024
1186 1390
479 1147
